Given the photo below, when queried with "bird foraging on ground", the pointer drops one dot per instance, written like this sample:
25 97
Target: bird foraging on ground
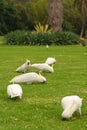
24 68
47 46
29 78
14 91
44 67
71 104
50 60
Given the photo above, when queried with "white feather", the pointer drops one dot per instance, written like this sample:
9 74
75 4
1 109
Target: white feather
29 78
44 67
70 104
14 90
23 68
50 61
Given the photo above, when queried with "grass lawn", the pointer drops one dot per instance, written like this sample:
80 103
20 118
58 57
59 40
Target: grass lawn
40 107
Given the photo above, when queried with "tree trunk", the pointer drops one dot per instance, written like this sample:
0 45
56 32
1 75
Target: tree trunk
83 27
55 8
84 14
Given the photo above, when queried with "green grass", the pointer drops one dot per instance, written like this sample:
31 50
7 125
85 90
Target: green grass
2 40
40 107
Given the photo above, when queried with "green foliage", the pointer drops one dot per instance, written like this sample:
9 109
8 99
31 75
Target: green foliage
42 28
16 37
2 40
24 22
37 11
9 16
65 38
18 15
29 38
72 17
25 15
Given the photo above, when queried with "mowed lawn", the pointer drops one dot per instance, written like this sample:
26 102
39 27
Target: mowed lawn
40 107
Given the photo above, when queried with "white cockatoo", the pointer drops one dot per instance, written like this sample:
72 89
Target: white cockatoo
47 46
43 67
29 78
24 68
14 90
70 104
50 60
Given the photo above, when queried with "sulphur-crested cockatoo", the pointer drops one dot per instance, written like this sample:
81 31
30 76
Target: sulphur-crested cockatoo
50 60
43 67
47 46
70 104
24 68
14 90
29 78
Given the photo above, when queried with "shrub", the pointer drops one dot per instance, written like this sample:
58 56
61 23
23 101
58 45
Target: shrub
39 28
16 38
64 38
28 38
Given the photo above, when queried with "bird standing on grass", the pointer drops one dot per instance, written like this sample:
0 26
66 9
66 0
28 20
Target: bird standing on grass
50 60
70 104
47 46
14 90
43 67
24 68
29 78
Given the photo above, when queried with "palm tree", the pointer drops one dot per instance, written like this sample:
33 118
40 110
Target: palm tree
55 8
82 4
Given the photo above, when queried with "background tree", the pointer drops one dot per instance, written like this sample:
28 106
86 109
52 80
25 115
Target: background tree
37 11
82 5
72 18
25 14
24 22
55 9
9 16
84 14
